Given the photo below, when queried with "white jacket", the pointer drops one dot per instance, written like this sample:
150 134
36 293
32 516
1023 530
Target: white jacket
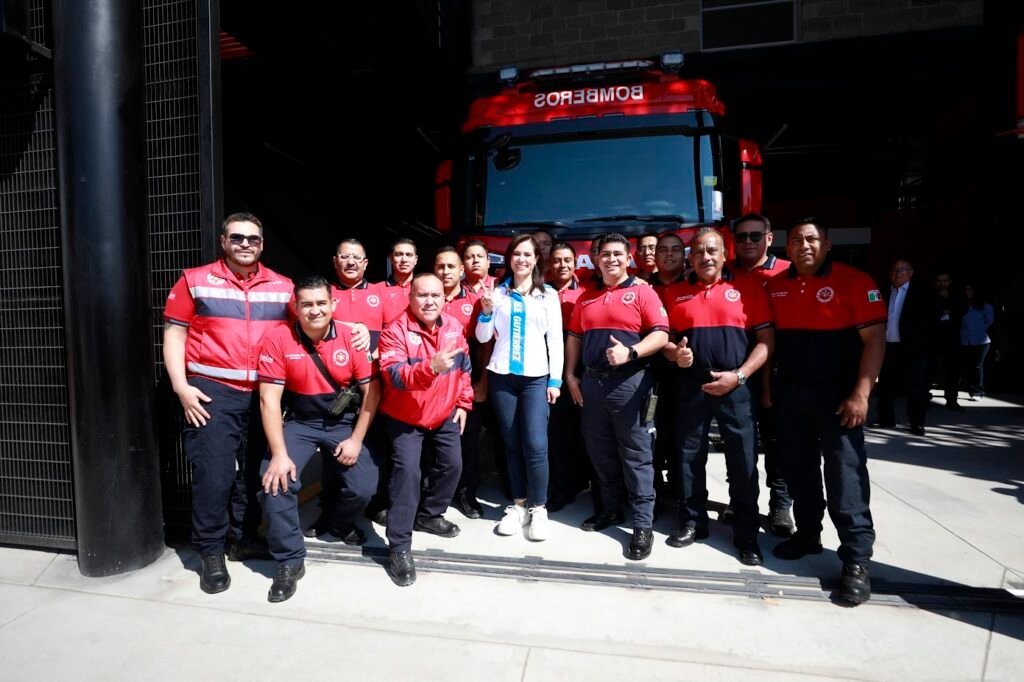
538 350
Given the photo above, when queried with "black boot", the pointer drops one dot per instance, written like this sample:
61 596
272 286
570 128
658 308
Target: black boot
856 584
288 576
640 545
214 577
403 568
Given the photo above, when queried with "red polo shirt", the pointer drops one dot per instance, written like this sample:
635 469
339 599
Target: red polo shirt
628 312
817 318
284 361
361 303
716 319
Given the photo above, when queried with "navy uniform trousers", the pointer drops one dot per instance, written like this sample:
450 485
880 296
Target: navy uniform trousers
357 483
809 431
734 414
619 445
410 495
225 458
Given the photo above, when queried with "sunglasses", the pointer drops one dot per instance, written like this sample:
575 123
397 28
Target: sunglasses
239 239
755 237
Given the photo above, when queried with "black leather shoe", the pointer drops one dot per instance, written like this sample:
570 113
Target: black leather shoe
602 520
856 584
283 587
727 515
437 525
641 544
887 424
467 505
954 406
403 568
243 550
917 429
780 522
380 517
750 555
214 577
686 536
797 547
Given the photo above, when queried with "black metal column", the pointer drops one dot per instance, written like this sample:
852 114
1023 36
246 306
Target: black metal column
101 152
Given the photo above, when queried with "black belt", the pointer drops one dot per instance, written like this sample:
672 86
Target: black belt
625 371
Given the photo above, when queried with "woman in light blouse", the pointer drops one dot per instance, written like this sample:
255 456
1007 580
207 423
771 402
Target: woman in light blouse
524 317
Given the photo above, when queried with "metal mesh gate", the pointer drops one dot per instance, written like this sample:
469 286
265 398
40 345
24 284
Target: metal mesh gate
36 493
173 158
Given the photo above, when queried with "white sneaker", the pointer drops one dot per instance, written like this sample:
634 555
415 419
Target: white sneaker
513 521
538 528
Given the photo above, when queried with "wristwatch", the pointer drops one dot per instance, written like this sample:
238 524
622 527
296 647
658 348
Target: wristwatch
741 378
633 355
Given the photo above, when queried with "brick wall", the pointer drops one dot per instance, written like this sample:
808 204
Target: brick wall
550 32
829 19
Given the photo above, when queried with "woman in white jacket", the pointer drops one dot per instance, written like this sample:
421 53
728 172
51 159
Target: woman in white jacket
524 317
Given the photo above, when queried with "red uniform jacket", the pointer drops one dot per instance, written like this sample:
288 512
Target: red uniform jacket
412 392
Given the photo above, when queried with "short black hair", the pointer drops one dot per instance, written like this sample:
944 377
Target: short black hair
808 220
447 249
558 246
240 217
644 235
472 242
351 242
403 240
613 238
753 216
309 282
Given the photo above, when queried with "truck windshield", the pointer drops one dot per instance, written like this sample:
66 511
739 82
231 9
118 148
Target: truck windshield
577 184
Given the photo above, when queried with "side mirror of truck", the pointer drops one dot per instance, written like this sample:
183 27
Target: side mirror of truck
750 177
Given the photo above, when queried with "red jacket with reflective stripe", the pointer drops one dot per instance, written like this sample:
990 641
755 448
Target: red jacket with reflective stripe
226 318
412 392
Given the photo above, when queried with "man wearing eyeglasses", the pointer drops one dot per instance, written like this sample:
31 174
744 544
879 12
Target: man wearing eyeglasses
646 257
359 306
215 320
752 234
910 327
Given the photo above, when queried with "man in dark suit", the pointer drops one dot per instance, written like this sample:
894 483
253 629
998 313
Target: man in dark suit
908 332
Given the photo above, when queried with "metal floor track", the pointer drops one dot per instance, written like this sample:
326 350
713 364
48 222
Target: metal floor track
754 584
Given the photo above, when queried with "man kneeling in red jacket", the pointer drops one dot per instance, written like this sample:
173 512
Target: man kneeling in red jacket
425 363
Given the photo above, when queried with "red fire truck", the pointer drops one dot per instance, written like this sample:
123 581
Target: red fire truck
585 150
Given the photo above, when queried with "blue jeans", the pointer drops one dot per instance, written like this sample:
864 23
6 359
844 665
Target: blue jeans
521 408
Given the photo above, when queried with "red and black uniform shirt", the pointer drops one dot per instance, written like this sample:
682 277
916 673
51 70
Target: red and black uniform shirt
717 320
628 312
567 297
307 394
396 298
817 322
464 307
362 303
763 272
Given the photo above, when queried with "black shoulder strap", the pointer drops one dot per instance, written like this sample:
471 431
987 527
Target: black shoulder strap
315 357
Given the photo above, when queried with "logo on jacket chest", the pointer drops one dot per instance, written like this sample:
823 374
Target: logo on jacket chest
214 279
415 339
341 357
732 295
373 301
825 294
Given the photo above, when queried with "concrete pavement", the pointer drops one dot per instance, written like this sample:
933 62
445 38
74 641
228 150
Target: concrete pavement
948 510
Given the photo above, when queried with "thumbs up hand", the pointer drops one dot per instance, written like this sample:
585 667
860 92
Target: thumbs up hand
684 354
617 353
443 360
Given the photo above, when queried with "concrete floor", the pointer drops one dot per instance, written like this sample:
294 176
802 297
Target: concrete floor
949 512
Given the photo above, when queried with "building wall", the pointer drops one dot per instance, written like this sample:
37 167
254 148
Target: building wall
538 32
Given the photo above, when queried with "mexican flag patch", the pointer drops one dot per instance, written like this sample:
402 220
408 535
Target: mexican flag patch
874 296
